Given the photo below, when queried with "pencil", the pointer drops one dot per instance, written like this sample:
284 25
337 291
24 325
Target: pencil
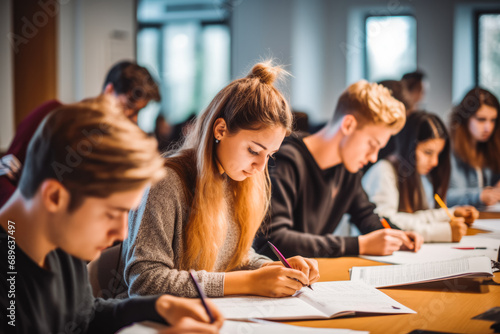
385 224
441 204
202 295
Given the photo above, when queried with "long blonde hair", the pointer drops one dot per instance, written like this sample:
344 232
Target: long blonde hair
249 103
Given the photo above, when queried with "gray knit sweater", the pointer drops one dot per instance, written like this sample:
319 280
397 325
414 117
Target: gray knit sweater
155 244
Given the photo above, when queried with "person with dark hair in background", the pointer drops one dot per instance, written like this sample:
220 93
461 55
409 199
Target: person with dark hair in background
414 83
403 186
130 83
475 139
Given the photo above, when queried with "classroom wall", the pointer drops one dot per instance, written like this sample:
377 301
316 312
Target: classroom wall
323 41
312 37
93 34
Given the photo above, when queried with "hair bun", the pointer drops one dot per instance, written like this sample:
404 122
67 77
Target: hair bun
265 72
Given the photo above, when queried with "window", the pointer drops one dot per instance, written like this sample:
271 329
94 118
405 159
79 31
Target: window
488 52
390 46
187 46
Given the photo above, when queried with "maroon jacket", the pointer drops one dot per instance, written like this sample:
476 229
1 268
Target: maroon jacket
19 145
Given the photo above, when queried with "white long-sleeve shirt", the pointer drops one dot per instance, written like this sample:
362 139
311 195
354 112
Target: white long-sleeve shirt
380 183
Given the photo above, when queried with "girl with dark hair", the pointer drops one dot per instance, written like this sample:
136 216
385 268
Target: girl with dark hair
475 138
403 186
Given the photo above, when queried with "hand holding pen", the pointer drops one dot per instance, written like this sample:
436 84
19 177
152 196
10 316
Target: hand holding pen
457 224
287 264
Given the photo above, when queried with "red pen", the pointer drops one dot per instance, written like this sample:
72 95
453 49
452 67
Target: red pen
469 248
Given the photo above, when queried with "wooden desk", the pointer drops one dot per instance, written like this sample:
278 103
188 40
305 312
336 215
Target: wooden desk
440 310
448 310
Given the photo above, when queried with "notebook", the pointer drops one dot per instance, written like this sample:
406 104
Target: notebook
404 274
327 300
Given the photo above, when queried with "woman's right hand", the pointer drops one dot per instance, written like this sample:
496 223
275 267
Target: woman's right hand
469 213
458 228
277 281
490 195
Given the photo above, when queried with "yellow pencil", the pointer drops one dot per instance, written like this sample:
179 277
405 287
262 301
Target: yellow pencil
441 204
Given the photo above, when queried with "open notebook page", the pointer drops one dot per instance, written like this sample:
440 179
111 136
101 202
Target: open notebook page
346 297
384 276
329 299
246 307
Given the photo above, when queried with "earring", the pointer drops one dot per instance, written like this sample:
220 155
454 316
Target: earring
217 141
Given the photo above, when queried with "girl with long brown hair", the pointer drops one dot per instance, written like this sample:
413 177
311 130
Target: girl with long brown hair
403 185
205 213
475 138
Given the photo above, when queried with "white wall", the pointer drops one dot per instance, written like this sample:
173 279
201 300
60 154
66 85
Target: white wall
6 80
319 32
94 34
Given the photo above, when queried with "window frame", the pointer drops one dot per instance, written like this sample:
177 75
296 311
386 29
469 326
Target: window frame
476 38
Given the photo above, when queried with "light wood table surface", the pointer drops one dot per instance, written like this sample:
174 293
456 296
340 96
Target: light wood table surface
447 306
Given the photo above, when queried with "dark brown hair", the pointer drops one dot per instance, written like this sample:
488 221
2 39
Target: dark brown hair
92 149
420 126
482 154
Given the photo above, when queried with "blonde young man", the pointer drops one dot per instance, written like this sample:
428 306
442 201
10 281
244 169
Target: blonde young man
317 180
87 165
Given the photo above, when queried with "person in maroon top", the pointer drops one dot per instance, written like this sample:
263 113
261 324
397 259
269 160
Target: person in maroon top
130 83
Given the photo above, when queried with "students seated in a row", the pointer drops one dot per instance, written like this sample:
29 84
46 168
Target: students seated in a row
317 179
403 185
130 83
86 166
475 139
204 214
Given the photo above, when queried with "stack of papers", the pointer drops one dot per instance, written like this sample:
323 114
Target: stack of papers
328 300
403 274
487 224
444 251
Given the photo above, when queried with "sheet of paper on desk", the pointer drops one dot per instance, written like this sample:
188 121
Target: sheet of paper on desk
262 326
235 327
404 274
328 300
487 224
492 208
443 251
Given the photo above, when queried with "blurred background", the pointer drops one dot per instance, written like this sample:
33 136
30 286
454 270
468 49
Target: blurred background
63 48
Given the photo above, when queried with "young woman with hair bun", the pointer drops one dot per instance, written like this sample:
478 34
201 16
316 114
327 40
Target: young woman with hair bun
205 213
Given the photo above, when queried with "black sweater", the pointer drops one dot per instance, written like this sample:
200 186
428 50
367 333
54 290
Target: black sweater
308 203
59 300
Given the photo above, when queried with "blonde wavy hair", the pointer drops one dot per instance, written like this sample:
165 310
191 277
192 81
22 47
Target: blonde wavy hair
370 103
249 103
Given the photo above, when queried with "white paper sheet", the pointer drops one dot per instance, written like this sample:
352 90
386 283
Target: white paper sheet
492 208
384 276
237 327
487 224
443 251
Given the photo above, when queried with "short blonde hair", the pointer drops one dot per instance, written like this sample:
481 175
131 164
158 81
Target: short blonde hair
92 149
370 103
